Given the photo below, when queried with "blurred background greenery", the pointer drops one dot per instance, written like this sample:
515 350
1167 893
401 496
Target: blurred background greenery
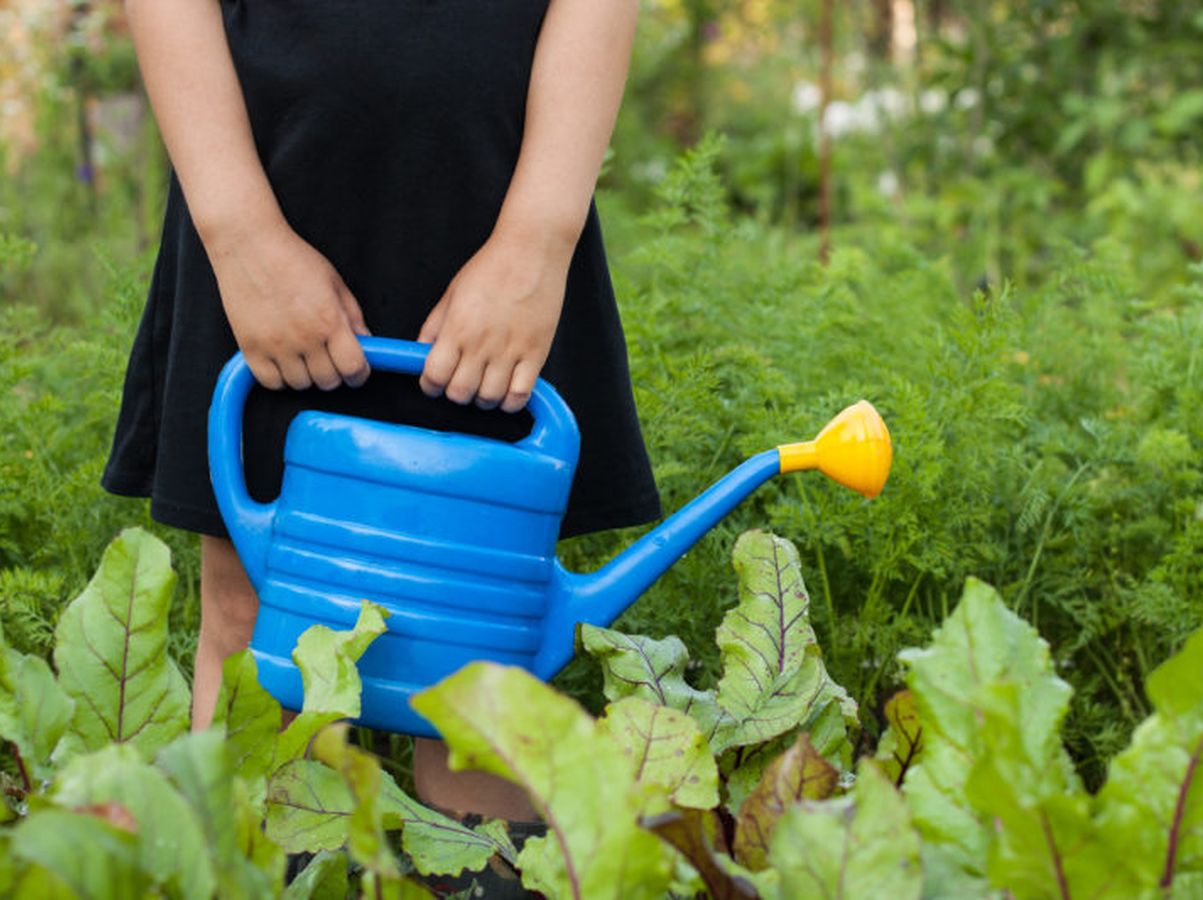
1016 229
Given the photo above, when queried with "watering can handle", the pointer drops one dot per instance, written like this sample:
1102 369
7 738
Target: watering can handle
554 430
554 433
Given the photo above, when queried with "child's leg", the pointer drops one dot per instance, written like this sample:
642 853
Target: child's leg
228 608
464 792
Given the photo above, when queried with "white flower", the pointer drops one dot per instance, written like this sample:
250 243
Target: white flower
806 97
933 101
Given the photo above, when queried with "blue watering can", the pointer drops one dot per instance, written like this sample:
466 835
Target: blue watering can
454 535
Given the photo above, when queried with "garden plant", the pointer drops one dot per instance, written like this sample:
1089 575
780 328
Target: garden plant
1015 281
749 790
1068 480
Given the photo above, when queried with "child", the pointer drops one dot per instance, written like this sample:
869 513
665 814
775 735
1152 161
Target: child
420 168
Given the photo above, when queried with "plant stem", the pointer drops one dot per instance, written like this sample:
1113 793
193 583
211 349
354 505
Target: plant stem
1044 531
910 595
1171 853
828 603
1062 883
1105 671
21 768
718 453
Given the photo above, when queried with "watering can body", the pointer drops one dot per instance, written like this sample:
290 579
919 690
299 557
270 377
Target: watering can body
453 534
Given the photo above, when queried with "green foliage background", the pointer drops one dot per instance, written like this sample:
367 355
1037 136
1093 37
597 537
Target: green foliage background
1016 285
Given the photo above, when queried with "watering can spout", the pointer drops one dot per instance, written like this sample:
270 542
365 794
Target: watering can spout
854 449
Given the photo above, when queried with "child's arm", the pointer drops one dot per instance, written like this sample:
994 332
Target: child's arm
290 312
493 328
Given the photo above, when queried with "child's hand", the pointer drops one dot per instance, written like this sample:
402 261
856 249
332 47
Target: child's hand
294 319
493 327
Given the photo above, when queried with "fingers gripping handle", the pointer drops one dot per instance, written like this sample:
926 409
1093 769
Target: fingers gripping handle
554 432
250 522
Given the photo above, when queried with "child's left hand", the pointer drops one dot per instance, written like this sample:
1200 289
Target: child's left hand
493 327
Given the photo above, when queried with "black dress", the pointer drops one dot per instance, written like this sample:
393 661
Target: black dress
389 130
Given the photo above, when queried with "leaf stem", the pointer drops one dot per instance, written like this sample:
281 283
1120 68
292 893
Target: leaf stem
910 595
21 768
1171 853
739 758
1062 884
904 765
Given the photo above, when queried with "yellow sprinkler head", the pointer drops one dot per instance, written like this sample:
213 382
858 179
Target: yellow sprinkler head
853 449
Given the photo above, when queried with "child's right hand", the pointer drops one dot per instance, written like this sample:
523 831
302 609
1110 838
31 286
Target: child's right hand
292 316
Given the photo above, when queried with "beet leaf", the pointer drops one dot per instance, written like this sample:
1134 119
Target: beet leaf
111 652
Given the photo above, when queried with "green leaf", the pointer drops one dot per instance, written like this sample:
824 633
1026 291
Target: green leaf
438 844
944 876
666 749
367 786
361 774
111 651
266 858
852 847
1044 842
954 682
34 710
956 840
308 807
799 773
76 855
248 715
901 746
327 660
409 889
1151 808
8 867
984 643
505 721
774 678
171 842
39 883
825 728
198 766
653 670
773 672
694 834
995 793
325 878
744 767
295 740
1181 112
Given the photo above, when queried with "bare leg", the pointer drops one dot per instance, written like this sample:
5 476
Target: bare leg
228 609
463 792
